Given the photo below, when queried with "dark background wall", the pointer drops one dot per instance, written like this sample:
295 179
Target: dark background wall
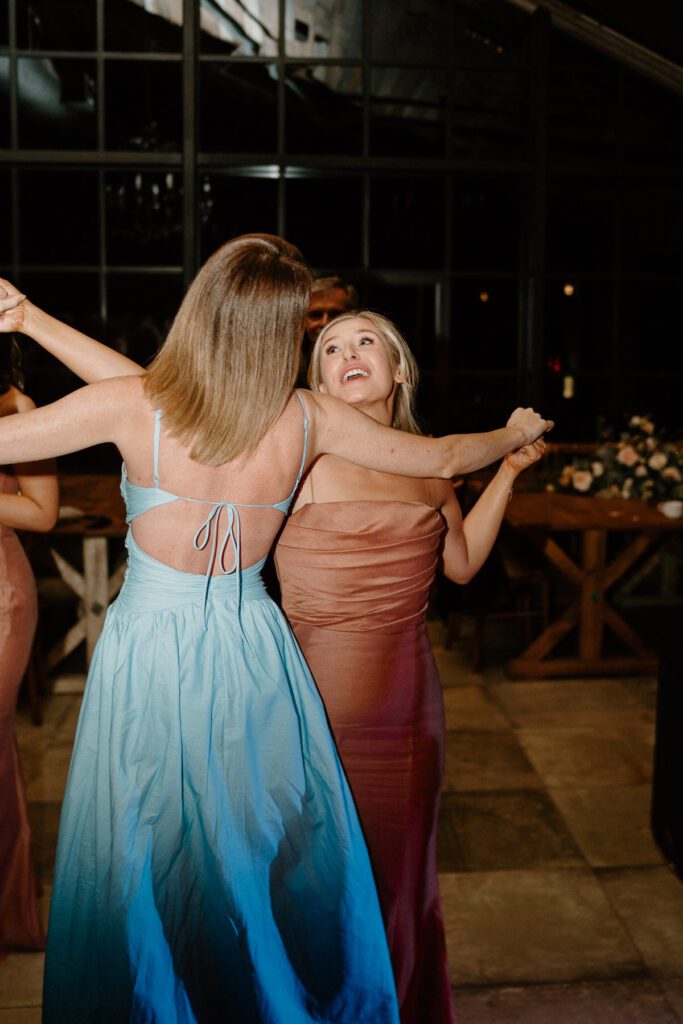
507 192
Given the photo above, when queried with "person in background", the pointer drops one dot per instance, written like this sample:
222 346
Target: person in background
330 297
28 501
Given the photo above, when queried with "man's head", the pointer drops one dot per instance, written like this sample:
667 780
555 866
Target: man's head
330 297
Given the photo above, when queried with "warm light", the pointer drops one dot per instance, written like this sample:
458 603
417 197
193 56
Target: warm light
568 289
568 386
483 296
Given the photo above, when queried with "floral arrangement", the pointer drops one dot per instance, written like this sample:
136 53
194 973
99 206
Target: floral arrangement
641 464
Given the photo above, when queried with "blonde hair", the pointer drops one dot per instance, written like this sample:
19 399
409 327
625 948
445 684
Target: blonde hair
402 363
230 360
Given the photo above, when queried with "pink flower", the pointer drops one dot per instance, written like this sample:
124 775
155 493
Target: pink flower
582 479
641 471
598 468
657 461
672 473
628 456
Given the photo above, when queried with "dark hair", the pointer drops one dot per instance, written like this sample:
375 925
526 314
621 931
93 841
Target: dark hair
10 366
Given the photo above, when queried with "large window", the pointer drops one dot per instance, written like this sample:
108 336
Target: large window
473 172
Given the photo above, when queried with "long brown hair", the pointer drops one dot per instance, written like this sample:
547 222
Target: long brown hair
402 363
229 363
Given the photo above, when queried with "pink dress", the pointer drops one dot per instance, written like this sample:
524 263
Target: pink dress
355 578
19 921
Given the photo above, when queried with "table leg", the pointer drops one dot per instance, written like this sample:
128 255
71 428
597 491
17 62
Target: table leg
96 596
592 595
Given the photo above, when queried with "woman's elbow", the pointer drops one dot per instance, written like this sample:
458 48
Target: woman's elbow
44 520
460 576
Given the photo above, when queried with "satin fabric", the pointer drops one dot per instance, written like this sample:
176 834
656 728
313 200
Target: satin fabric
210 863
355 579
19 921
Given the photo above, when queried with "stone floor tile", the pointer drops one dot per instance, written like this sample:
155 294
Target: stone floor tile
611 824
562 704
649 901
21 979
533 926
590 757
470 707
48 785
673 988
21 1015
44 822
489 831
612 1002
478 759
455 669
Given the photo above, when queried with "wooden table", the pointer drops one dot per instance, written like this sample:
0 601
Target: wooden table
99 498
545 516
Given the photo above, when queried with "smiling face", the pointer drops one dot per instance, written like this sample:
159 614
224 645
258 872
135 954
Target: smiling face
356 365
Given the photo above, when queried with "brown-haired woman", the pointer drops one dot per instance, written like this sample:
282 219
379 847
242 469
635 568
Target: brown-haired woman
210 858
28 501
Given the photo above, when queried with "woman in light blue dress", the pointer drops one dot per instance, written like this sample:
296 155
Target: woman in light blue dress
210 864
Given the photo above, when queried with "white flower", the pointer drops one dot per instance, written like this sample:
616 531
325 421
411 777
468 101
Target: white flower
628 456
634 421
582 479
672 473
598 468
647 426
640 471
650 443
657 461
627 488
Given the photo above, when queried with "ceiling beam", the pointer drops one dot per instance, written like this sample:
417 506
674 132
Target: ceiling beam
608 41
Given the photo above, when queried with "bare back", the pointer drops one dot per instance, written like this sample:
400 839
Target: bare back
253 485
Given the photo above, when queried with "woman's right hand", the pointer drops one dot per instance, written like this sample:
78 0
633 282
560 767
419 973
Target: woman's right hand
530 423
12 308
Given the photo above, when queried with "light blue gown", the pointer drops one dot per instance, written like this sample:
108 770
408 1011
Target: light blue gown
210 865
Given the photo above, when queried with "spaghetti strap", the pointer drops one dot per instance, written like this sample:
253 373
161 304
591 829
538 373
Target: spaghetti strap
155 457
304 453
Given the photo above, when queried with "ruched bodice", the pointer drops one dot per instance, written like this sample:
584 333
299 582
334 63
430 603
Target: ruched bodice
359 565
8 485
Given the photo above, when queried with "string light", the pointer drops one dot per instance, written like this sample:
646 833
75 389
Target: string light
568 289
483 296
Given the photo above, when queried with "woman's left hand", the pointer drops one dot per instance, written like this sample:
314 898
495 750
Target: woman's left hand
526 456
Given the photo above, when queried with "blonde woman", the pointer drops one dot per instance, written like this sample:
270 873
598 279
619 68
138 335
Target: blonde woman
210 859
28 501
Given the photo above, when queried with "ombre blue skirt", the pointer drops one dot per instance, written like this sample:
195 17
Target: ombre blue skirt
210 865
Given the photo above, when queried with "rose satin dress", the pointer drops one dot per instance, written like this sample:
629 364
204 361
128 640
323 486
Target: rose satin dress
355 578
19 921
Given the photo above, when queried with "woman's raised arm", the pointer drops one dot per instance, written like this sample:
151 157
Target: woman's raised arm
339 429
88 359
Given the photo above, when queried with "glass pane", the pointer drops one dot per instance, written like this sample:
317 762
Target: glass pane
480 402
45 25
579 413
651 326
486 223
238 105
487 34
127 26
144 105
408 112
658 396
140 310
651 135
73 298
249 29
324 217
57 103
579 321
324 110
314 29
407 222
583 116
652 226
418 30
144 217
51 204
580 228
489 114
231 205
484 324
4 103
5 218
4 22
